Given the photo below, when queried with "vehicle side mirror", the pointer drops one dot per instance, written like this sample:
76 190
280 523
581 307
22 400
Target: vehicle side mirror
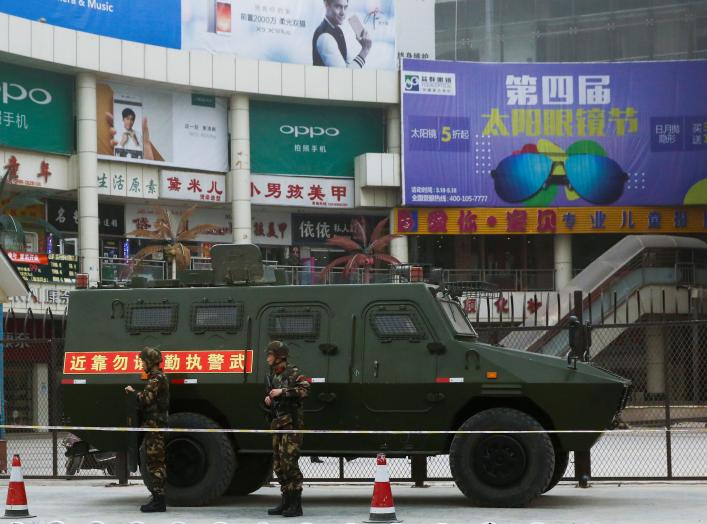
436 348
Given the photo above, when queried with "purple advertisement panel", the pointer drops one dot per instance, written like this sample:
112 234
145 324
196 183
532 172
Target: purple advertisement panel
537 135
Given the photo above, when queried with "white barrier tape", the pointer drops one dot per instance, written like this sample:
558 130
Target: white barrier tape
353 431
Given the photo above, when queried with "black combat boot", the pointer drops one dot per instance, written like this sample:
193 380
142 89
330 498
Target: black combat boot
157 504
295 507
284 502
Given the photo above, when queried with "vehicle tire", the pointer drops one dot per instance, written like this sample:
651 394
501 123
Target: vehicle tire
562 459
502 470
200 466
252 471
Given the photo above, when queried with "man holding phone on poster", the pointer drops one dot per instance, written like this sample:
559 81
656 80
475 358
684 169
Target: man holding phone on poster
329 44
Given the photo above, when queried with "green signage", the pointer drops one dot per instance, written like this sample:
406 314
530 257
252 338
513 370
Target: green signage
289 139
36 110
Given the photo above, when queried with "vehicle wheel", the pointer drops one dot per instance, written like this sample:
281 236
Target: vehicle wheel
252 471
562 459
199 465
502 470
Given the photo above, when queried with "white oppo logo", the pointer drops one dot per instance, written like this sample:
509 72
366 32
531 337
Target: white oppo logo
17 92
310 131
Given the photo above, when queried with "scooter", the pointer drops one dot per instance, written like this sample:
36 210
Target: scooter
80 456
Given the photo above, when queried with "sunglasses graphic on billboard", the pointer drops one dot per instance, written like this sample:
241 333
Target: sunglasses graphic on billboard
584 169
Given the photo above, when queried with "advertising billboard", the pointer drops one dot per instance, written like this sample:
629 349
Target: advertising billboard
36 109
350 33
565 135
156 22
298 139
170 129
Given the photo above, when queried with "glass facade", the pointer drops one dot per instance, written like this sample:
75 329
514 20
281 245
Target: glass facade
570 30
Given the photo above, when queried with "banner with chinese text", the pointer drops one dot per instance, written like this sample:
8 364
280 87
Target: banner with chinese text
162 128
36 109
298 139
528 221
284 30
567 135
202 187
143 216
297 191
271 227
312 230
200 361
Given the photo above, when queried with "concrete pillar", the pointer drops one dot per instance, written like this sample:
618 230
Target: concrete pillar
563 260
655 359
239 176
40 395
399 246
88 186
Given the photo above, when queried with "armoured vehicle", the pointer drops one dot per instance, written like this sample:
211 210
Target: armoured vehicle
382 357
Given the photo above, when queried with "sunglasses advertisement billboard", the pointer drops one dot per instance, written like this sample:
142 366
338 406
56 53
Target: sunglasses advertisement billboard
333 33
545 135
162 128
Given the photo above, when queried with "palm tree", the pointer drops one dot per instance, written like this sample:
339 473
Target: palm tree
174 251
361 254
12 228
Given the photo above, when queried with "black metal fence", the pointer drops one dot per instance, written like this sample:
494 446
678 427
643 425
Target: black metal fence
666 358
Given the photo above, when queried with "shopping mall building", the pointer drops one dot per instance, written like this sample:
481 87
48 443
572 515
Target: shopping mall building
112 117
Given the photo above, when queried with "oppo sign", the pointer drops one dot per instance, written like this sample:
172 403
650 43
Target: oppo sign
310 131
17 93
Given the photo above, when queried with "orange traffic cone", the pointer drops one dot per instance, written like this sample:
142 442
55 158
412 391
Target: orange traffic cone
16 506
382 507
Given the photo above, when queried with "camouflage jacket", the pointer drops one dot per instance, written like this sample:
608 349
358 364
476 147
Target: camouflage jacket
287 411
153 401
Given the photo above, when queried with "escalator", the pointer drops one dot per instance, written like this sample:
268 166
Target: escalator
639 275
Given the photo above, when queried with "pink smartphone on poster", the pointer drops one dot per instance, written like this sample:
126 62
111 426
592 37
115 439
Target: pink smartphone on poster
223 17
356 25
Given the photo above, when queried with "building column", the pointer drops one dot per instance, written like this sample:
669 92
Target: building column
398 246
88 185
239 176
563 260
655 363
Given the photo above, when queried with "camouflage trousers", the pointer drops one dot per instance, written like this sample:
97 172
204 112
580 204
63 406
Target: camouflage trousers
286 449
156 462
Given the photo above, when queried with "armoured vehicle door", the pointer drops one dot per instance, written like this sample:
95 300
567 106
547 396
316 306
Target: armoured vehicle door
305 328
399 369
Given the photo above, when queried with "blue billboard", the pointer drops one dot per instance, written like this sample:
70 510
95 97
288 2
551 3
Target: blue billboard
543 134
156 22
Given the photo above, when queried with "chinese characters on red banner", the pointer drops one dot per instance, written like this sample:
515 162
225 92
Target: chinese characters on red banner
205 361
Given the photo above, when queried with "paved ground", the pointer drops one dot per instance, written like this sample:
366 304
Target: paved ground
91 502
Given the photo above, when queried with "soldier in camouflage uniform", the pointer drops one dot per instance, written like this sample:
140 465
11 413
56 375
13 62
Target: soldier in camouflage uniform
286 387
153 403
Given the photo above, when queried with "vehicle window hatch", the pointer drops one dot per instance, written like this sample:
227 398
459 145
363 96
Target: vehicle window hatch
396 326
151 317
216 317
294 325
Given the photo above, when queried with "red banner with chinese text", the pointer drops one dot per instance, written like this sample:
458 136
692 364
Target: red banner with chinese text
128 362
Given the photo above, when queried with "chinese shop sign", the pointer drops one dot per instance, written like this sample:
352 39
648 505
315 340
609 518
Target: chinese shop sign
35 170
35 267
309 230
36 110
201 187
64 215
276 190
112 362
272 228
138 216
565 135
290 139
533 221
118 179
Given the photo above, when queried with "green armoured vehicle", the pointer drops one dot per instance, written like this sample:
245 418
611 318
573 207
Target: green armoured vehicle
379 356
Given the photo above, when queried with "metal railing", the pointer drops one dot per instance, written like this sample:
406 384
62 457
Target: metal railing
506 279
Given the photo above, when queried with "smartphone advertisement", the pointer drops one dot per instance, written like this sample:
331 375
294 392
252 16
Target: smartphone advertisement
163 128
340 33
